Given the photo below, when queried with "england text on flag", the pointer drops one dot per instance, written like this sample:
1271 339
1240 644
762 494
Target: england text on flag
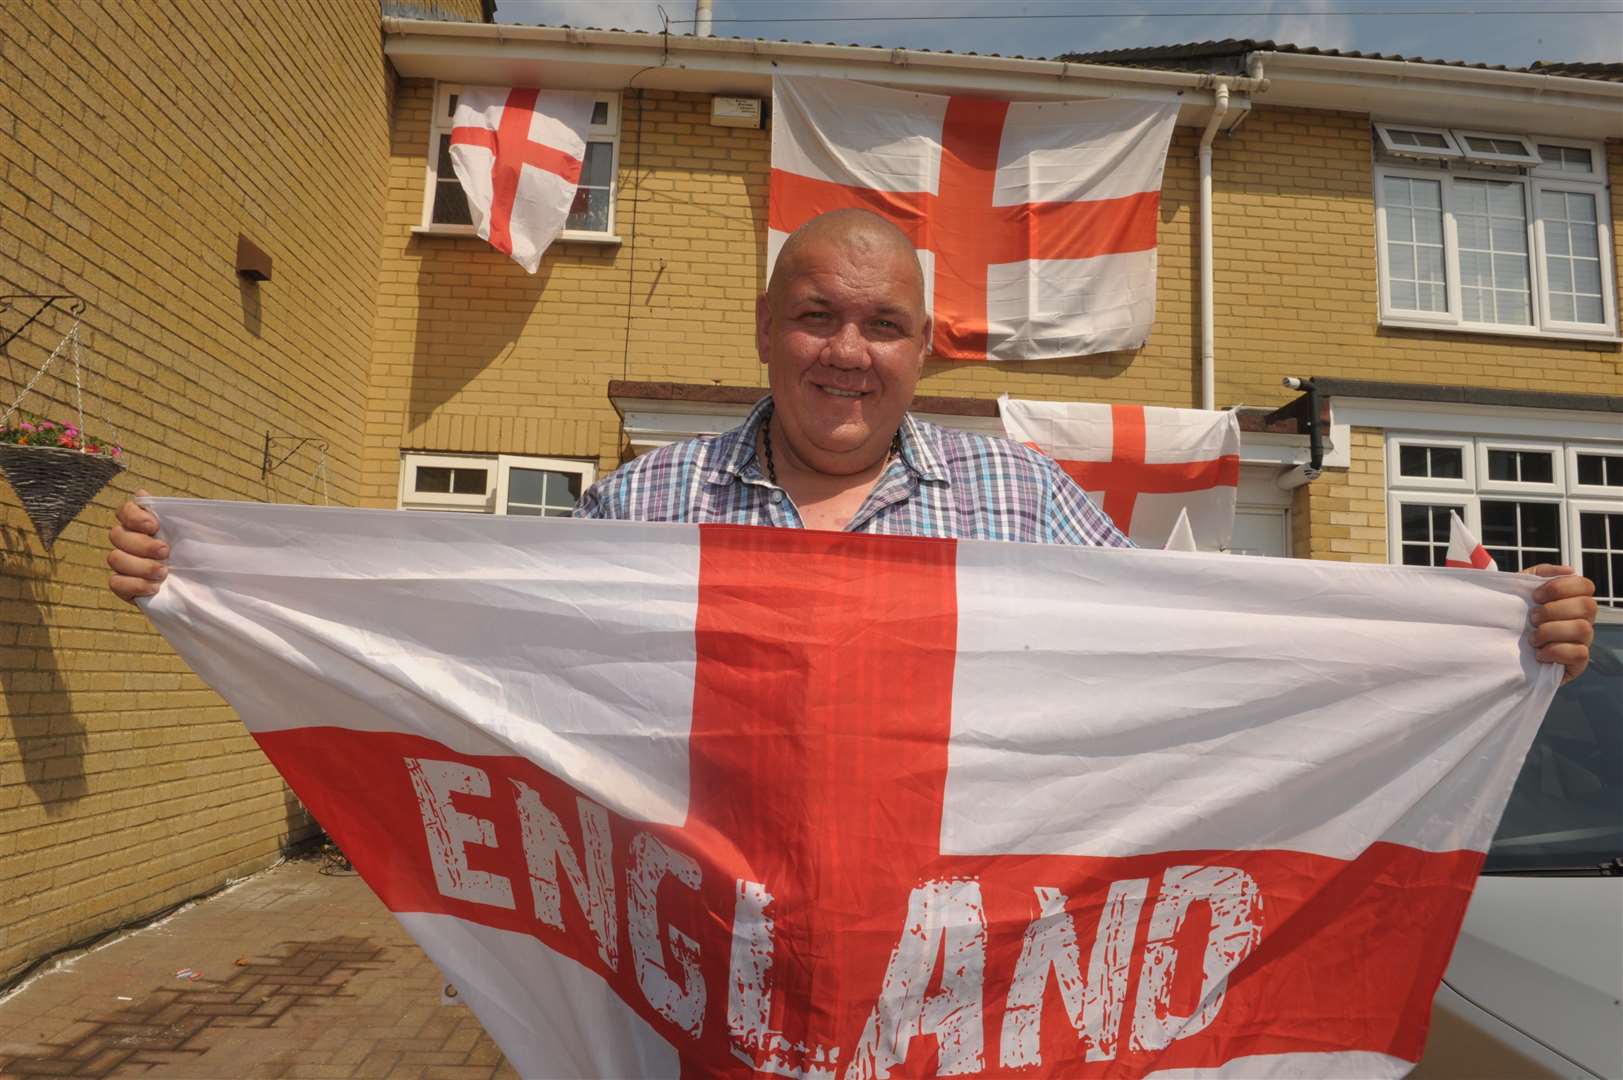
1141 464
1035 221
518 152
708 800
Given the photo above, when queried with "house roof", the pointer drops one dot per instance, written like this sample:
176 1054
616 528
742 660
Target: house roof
1228 56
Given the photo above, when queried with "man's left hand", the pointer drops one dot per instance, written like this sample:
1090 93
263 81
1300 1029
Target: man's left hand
1564 621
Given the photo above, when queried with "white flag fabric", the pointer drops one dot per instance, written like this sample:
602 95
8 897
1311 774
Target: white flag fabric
1464 549
518 153
1035 221
1182 536
693 800
1143 465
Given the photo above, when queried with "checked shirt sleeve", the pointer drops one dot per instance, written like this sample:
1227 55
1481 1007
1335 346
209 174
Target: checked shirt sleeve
1072 517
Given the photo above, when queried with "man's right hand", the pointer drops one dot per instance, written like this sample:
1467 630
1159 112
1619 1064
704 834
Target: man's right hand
137 558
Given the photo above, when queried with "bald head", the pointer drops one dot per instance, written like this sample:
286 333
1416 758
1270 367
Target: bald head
868 238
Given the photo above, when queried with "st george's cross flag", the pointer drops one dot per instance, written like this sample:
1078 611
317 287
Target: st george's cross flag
676 800
1141 464
517 152
1035 221
1464 549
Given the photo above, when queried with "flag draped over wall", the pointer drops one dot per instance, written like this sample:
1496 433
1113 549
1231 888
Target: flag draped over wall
696 800
1142 464
518 153
1035 221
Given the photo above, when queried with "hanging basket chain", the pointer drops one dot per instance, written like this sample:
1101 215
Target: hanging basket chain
73 336
55 483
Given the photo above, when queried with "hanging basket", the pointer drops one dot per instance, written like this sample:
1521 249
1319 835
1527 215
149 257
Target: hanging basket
54 484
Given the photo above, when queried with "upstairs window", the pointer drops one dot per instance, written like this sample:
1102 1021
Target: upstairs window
1493 232
591 217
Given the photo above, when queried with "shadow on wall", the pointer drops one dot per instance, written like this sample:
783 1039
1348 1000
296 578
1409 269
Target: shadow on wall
50 739
460 336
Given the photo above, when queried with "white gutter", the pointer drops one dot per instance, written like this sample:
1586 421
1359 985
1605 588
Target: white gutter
1411 70
409 40
1208 330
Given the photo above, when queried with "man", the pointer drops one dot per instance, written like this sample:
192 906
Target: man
843 330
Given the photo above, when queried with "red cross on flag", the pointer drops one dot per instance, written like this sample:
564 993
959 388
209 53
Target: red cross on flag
1035 221
1142 464
1464 549
518 154
720 801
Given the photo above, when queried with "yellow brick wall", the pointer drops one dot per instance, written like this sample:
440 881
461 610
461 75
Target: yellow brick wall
476 356
136 141
1342 515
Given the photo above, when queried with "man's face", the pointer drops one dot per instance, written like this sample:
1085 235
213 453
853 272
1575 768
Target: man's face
843 341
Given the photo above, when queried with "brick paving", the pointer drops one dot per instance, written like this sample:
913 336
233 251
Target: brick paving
301 974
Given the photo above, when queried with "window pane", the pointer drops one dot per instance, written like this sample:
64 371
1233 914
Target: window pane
600 113
597 168
1417 555
1403 261
1447 462
1589 310
450 202
433 480
1498 524
1586 276
450 105
515 510
1537 467
1592 531
1399 225
1412 461
1600 469
1511 308
1416 522
1509 235
1502 465
1560 274
470 481
1597 568
1556 240
562 489
1541 526
1562 308
1405 296
524 486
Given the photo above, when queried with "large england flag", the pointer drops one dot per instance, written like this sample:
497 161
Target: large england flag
1143 464
707 801
1035 221
518 153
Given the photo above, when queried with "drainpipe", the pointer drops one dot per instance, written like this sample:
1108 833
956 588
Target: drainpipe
1208 332
701 18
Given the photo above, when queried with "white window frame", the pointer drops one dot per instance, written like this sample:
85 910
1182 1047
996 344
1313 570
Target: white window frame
1396 479
1486 485
1597 161
506 463
1593 506
440 124
1427 153
497 466
1603 238
1528 157
412 499
1464 503
1563 491
1534 181
1578 487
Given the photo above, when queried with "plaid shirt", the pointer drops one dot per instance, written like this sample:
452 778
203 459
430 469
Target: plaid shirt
944 483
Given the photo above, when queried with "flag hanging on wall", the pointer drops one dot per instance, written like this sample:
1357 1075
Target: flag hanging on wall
1035 221
518 152
1141 464
684 800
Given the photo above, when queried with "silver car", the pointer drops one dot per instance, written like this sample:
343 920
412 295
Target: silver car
1535 986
